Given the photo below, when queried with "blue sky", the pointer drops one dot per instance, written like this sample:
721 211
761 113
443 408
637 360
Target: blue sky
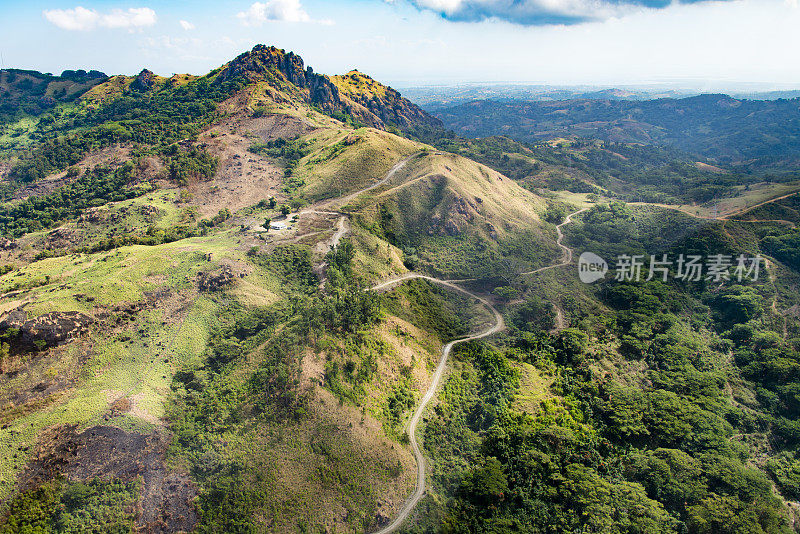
703 44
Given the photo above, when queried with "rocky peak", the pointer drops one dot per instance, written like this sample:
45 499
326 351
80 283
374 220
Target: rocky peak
355 93
145 81
382 100
263 63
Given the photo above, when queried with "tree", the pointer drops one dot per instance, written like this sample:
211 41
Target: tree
571 344
506 293
737 304
487 484
535 314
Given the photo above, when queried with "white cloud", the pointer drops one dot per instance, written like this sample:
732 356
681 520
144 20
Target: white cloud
82 19
186 25
79 18
278 10
135 17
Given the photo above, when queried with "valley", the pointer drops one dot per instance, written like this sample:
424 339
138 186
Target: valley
270 300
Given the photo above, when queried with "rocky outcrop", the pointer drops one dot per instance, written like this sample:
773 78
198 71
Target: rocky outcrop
94 215
13 319
145 81
51 328
454 215
7 244
207 281
61 238
55 327
286 72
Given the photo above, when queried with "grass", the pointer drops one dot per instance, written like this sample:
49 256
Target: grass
17 133
107 91
344 161
117 367
756 194
159 209
739 201
534 388
120 275
375 259
456 218
136 359
356 83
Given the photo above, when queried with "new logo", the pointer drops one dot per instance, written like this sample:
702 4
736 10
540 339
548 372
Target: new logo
591 267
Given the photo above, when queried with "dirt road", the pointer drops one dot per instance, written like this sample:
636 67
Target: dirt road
566 257
412 501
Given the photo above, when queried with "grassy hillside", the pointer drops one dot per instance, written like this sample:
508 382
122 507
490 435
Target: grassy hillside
453 217
148 307
339 162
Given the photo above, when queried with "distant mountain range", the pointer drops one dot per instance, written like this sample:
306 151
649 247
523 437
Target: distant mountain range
747 133
435 98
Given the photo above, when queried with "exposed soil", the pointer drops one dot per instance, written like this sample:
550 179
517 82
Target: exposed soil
244 178
166 498
24 383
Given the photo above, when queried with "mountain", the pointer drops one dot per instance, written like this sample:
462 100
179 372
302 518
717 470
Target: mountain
354 94
747 133
182 177
31 92
268 300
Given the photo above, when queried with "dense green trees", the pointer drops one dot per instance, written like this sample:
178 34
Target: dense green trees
514 472
60 506
785 246
149 120
535 313
193 164
94 188
647 440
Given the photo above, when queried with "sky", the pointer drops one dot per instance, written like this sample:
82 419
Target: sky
689 44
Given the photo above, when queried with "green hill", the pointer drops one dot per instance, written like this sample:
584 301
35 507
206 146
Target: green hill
212 319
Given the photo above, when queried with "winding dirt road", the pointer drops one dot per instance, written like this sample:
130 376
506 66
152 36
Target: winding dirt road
745 209
331 207
499 324
326 205
566 257
728 216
